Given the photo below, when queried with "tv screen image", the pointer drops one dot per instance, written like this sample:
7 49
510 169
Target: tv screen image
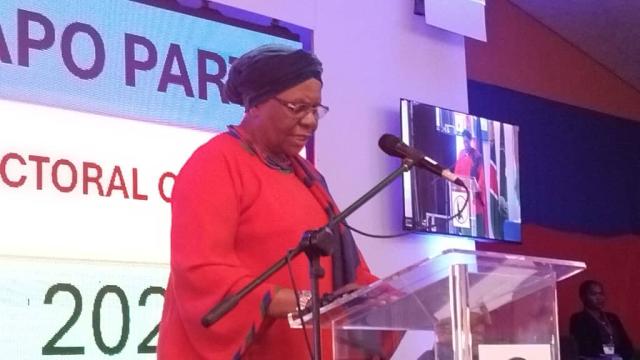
481 152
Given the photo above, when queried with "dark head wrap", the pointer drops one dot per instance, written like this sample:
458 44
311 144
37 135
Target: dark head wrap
267 71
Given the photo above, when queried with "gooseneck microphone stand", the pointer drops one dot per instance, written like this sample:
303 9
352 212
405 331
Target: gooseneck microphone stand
314 243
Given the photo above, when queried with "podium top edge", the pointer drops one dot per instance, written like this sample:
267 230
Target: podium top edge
515 257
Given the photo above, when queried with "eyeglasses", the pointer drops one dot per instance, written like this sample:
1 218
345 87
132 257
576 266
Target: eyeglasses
300 110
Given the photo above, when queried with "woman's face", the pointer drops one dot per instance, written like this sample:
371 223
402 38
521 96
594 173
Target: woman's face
281 128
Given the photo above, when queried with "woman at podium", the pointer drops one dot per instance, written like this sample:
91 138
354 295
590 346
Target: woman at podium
239 203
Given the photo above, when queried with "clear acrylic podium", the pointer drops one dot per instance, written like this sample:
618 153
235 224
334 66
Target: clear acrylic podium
464 304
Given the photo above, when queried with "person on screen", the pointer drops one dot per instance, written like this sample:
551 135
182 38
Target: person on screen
597 333
239 203
469 164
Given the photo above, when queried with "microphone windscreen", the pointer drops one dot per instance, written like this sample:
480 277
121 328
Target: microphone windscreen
389 143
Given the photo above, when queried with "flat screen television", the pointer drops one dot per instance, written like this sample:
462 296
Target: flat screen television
481 152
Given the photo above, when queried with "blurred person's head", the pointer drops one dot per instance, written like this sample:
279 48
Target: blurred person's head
592 295
466 139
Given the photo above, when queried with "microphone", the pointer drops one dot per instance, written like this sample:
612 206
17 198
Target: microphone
393 146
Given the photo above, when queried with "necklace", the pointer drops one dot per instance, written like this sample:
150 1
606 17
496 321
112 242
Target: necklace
282 162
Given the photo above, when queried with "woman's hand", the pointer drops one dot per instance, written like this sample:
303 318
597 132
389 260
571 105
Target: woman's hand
282 303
